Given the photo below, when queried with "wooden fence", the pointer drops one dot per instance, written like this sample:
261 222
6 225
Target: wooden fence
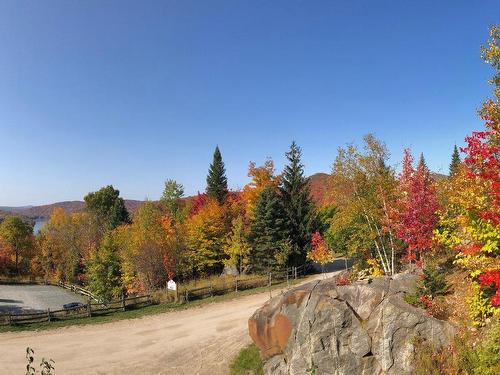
269 279
78 290
98 307
88 310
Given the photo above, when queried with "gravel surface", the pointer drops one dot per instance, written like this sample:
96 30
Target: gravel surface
29 298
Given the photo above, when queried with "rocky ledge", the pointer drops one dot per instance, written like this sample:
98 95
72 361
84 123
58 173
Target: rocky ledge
361 328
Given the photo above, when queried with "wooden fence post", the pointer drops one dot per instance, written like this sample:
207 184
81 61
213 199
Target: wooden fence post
177 293
236 285
211 290
48 315
89 308
187 296
123 302
10 319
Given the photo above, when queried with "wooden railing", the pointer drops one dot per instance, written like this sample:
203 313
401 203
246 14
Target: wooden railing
88 310
269 279
79 290
98 307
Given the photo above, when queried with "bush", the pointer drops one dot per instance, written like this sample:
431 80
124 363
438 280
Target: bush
433 283
248 362
462 357
488 353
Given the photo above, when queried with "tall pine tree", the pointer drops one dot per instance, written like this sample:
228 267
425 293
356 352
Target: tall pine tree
268 231
455 161
297 205
216 178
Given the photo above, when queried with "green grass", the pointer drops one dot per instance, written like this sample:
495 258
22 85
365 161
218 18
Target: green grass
248 362
138 313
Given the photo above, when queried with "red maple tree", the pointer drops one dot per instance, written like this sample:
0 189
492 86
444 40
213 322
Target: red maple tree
416 212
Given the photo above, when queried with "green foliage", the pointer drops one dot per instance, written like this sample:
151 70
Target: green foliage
104 271
364 190
216 178
248 362
413 299
488 353
433 283
455 161
480 307
462 357
107 208
268 231
297 205
237 246
170 198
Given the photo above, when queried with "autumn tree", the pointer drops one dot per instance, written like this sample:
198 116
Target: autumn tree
297 206
17 235
262 177
236 246
320 252
205 232
416 208
216 178
470 221
104 271
363 189
59 253
144 244
455 161
107 208
269 232
170 197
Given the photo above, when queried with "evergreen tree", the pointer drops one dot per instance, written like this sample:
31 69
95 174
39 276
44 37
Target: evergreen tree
172 193
455 161
216 178
422 162
297 205
268 232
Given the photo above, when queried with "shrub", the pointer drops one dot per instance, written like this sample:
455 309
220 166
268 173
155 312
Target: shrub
480 307
342 280
433 282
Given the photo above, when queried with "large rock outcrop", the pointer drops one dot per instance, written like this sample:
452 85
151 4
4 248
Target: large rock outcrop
362 328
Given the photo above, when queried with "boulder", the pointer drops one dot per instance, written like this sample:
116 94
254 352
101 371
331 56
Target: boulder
362 328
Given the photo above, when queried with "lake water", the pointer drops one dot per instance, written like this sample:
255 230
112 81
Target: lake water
38 225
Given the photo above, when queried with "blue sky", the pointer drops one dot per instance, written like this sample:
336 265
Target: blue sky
132 93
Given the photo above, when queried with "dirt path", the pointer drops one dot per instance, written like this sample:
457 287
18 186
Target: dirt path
200 340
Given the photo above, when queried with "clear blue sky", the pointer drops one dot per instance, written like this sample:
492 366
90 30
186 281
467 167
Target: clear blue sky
131 93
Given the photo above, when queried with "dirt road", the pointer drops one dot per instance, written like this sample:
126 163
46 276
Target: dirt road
200 340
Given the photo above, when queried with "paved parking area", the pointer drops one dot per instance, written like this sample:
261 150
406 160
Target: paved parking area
29 298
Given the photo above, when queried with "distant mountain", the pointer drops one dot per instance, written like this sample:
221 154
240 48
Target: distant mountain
44 211
318 184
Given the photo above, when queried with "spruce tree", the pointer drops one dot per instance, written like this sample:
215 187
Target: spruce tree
455 161
216 178
422 162
268 231
297 205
